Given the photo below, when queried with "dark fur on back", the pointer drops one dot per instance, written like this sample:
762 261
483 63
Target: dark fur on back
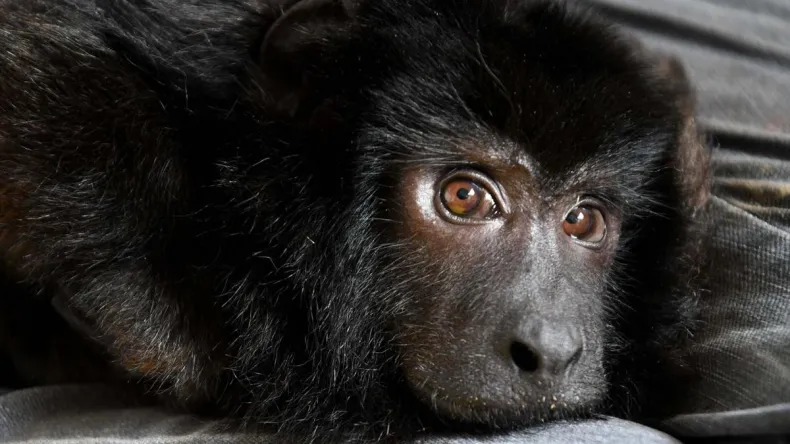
239 256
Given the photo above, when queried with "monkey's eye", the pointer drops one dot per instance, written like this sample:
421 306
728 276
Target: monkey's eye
467 198
586 224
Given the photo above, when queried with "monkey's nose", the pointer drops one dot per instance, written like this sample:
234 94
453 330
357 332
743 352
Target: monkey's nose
545 348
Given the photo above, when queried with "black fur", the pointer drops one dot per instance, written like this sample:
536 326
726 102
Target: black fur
225 221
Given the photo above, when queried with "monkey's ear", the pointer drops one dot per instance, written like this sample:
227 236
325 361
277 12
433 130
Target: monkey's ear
671 70
296 44
692 159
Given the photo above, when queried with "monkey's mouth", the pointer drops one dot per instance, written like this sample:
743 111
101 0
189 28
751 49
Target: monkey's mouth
478 412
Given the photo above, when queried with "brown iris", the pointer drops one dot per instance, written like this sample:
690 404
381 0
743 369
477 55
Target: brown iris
585 223
466 198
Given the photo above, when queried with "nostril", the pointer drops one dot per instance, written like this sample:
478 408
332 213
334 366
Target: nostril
575 358
524 357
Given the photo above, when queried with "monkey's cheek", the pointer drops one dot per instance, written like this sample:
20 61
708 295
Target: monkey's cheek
476 388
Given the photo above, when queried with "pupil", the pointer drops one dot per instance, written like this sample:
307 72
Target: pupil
573 218
463 193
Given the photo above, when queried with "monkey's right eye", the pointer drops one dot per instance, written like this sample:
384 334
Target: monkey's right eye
467 198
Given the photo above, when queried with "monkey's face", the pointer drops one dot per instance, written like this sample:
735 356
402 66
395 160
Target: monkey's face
513 187
506 316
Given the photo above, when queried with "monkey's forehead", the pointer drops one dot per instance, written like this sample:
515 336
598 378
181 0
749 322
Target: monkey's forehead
514 80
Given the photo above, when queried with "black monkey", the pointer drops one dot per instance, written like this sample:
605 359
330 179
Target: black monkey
356 216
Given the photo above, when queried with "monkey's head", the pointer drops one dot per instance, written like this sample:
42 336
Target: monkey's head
484 208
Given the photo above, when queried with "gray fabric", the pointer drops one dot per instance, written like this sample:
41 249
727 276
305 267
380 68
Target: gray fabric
737 53
743 349
590 432
769 420
738 56
100 414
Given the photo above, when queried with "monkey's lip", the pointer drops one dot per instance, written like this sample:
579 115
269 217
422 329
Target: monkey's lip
517 411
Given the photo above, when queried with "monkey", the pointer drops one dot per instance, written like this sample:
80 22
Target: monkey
359 218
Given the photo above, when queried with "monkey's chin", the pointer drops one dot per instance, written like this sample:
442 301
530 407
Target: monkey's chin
481 414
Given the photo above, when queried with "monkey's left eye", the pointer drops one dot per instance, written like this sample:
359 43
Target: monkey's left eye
467 198
586 224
